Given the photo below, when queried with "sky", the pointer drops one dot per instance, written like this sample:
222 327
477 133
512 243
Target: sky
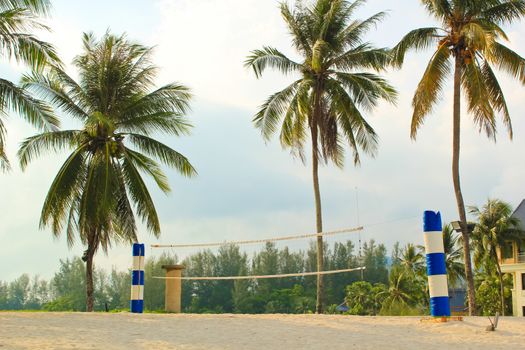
248 188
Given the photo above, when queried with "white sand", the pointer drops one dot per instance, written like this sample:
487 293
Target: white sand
158 331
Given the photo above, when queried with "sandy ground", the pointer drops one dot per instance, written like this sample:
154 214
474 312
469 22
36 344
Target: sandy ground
162 331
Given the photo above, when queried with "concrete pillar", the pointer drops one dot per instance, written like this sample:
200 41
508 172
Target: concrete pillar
173 294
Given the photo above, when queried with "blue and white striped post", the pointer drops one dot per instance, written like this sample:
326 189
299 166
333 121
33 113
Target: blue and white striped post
137 279
436 267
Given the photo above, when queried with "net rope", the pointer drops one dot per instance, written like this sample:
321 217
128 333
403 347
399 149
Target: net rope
221 278
266 240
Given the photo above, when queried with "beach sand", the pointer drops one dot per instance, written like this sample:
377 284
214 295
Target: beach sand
20 330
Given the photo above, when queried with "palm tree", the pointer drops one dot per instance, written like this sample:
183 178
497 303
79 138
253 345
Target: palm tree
400 289
18 18
468 42
453 256
412 260
495 226
100 185
329 94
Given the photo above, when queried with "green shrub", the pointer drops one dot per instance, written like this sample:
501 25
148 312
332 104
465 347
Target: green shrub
64 303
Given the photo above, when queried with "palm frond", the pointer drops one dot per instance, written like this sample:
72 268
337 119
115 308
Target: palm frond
150 167
140 196
478 98
298 26
272 111
430 87
359 134
508 61
123 220
34 111
367 89
363 56
64 189
28 49
37 7
353 34
34 146
505 12
53 91
439 8
174 98
496 96
269 57
418 39
162 152
4 161
293 130
160 122
15 42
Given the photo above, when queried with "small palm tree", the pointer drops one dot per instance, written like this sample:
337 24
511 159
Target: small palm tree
100 186
400 289
412 260
467 43
327 100
495 226
359 297
453 256
18 18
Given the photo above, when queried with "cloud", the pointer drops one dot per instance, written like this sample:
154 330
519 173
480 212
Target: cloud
249 189
205 43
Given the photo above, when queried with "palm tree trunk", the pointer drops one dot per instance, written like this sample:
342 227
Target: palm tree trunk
501 290
89 272
457 187
318 220
89 281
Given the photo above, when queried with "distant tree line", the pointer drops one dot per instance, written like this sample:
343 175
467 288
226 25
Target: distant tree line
394 284
66 290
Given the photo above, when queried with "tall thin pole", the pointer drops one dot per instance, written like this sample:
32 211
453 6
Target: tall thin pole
358 224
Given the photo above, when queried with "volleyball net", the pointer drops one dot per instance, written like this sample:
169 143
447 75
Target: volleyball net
259 241
174 277
229 278
265 240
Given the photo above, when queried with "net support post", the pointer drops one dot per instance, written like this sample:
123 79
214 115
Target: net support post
436 266
137 279
173 291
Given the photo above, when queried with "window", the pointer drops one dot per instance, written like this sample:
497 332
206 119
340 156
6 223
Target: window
523 311
507 251
523 281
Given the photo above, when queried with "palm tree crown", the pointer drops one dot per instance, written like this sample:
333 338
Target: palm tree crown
471 32
330 91
18 19
114 103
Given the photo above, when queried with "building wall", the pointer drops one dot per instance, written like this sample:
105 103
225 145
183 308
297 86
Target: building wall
515 266
518 294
